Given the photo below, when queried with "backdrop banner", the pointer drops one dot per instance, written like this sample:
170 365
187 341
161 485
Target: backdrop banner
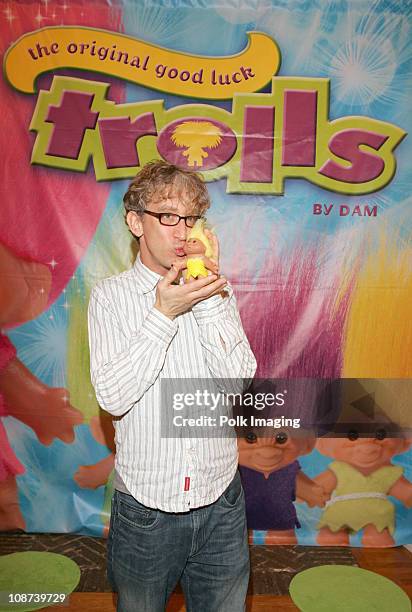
297 115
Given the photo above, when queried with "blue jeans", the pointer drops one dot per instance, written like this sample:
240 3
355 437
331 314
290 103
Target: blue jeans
149 551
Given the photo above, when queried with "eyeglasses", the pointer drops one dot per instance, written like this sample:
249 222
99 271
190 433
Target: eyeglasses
172 219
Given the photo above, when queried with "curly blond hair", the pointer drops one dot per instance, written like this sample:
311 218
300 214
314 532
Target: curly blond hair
159 180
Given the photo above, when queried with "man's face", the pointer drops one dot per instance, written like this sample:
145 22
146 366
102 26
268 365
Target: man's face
160 245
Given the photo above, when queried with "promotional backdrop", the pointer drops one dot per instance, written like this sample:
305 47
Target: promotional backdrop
297 114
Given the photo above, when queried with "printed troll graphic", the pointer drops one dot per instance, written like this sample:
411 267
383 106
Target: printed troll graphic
196 136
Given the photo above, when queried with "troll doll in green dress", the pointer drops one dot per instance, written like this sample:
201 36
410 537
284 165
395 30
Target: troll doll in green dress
362 478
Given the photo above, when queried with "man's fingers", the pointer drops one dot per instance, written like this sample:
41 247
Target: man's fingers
170 276
199 283
203 281
215 243
208 290
200 299
180 264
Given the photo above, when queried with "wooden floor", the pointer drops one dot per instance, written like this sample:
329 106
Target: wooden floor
394 563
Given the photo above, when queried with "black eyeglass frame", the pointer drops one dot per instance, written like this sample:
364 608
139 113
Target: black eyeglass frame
179 217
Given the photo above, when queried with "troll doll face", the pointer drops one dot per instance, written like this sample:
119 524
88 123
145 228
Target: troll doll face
365 453
268 454
193 246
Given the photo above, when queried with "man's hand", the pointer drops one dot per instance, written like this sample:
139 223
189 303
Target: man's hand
172 300
215 246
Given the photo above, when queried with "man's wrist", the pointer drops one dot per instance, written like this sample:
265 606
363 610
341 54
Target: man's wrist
164 312
211 309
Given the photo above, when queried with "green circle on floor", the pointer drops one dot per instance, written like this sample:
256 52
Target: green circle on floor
41 573
344 588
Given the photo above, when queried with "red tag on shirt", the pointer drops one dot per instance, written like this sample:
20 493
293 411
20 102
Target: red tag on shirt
187 483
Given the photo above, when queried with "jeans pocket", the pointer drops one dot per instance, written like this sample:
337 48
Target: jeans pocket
233 493
135 514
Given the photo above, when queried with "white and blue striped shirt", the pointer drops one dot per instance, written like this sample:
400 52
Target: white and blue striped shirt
132 347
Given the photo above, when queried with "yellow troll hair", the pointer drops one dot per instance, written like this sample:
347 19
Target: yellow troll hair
197 232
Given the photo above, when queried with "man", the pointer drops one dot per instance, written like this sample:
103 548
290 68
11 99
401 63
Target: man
178 507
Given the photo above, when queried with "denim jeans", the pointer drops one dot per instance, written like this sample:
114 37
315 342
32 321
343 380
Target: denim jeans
206 549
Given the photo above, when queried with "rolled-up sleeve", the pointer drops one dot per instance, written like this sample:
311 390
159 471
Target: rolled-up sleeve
123 367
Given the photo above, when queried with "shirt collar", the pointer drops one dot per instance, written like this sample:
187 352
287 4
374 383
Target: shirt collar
147 279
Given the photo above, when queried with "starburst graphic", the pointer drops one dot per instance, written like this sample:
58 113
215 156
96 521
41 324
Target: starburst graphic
42 346
363 69
366 55
39 17
10 16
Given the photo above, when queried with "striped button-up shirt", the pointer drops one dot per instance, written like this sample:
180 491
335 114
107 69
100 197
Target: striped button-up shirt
132 347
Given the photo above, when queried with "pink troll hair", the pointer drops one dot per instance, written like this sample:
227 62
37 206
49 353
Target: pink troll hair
294 322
